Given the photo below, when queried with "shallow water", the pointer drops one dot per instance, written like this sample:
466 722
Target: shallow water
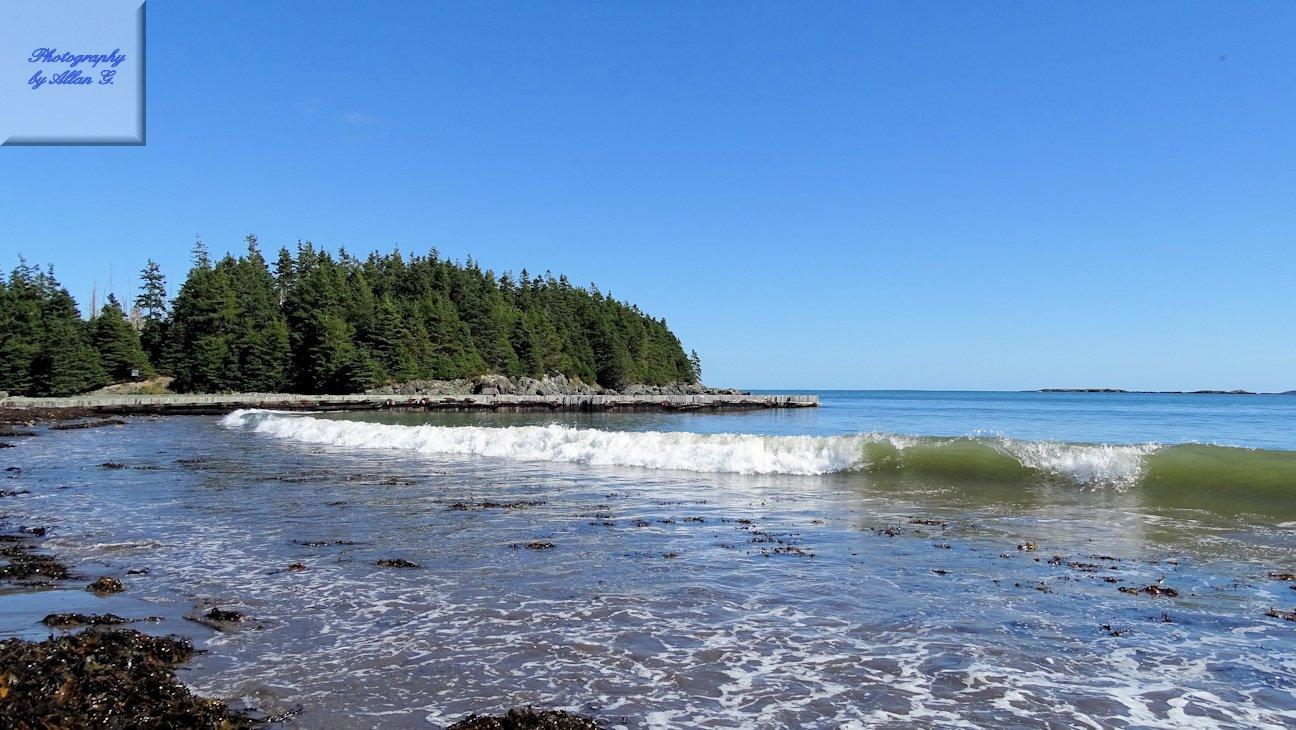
673 598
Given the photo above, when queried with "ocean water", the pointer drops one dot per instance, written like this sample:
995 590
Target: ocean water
889 559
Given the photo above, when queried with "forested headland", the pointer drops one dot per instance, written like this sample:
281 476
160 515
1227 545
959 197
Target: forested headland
315 322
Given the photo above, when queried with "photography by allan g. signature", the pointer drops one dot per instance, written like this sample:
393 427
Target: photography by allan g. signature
73 76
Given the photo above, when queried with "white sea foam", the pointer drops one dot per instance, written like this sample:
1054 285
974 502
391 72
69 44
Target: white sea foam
726 452
739 453
1084 463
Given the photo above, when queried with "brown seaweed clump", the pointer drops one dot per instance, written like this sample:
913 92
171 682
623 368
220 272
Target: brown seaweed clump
1156 589
109 679
536 545
223 614
490 504
396 563
68 620
24 565
106 585
216 618
526 718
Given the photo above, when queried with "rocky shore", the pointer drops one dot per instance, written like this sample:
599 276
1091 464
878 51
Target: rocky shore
93 672
550 385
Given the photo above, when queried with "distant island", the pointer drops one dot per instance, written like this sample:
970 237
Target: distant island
1159 392
319 323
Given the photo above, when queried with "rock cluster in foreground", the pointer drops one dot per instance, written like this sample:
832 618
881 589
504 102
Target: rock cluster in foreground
525 718
549 385
110 679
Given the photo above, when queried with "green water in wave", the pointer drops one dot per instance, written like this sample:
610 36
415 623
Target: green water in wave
1220 479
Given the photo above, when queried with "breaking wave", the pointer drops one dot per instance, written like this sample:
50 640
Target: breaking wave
981 458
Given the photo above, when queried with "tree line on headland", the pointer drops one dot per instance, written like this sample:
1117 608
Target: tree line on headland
314 322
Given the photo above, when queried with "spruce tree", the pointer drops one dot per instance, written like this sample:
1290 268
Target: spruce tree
260 333
67 364
152 301
389 340
118 344
201 329
22 330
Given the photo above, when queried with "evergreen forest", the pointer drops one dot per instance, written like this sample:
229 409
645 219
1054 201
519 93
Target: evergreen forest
315 322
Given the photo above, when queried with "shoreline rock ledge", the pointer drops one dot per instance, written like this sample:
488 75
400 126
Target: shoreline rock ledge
548 385
482 394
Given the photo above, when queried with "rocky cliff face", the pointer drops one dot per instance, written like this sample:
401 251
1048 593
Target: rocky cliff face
548 385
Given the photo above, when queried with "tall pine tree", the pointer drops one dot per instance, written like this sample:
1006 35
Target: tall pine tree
202 329
260 334
67 363
152 301
118 344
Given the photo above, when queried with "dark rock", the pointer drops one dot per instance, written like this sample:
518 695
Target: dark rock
219 619
60 620
928 522
1155 589
396 563
790 550
526 718
29 416
222 614
537 545
87 424
106 585
22 565
488 504
1285 615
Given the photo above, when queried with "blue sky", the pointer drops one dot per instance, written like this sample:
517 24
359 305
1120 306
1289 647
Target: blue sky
850 195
